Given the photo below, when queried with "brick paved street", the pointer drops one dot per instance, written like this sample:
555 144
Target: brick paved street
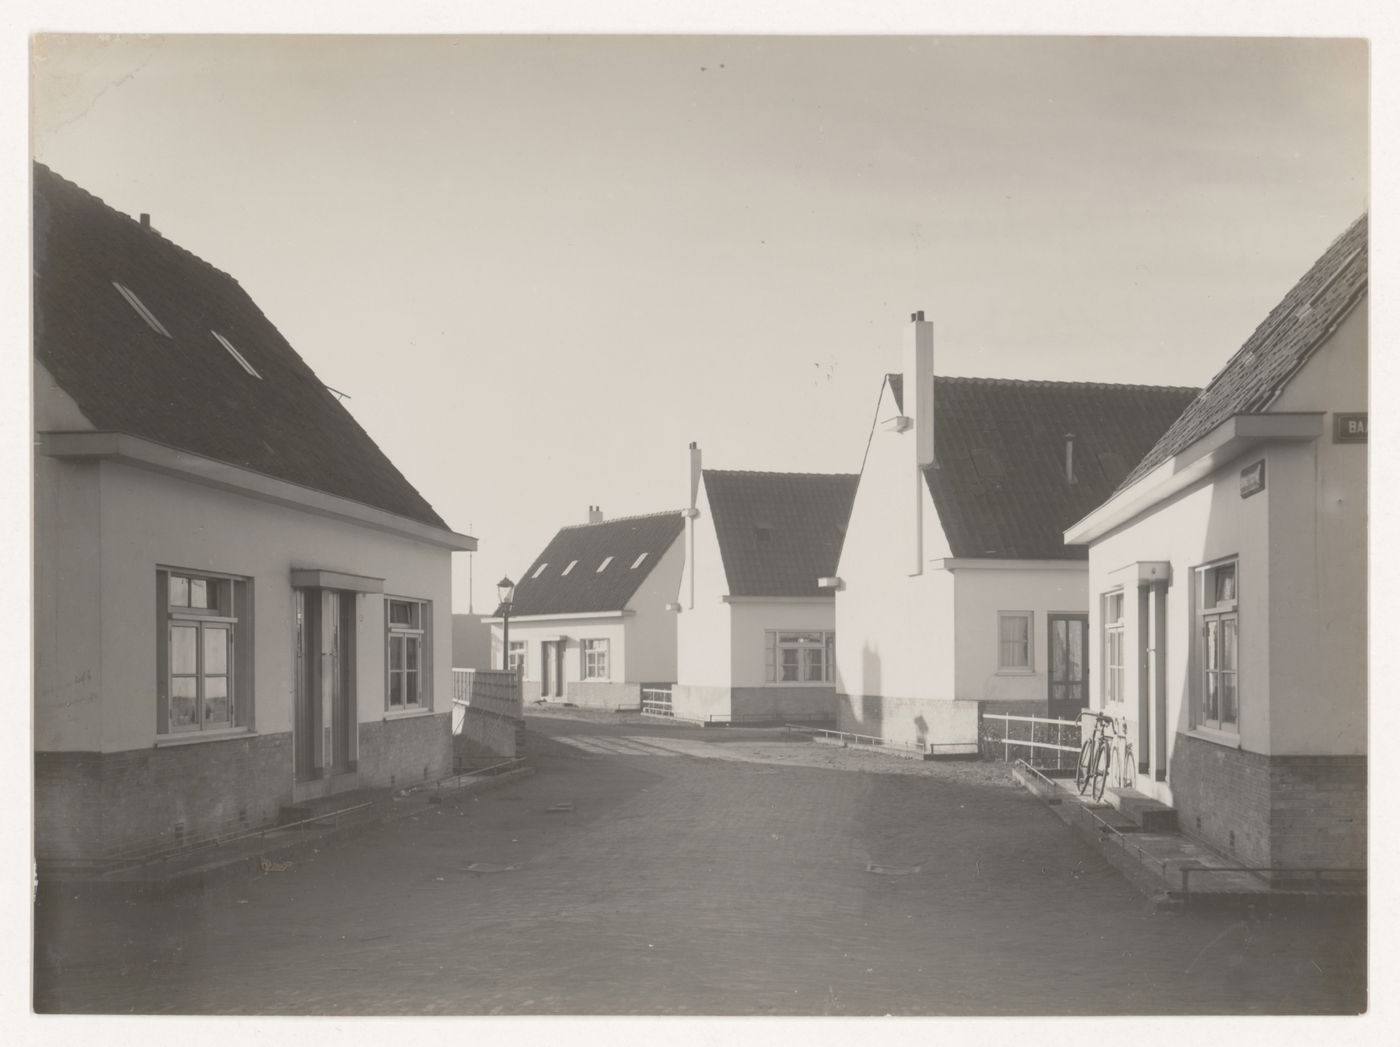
681 884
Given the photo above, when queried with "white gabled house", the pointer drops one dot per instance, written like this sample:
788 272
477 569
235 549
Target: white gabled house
756 633
240 604
955 588
1229 583
589 623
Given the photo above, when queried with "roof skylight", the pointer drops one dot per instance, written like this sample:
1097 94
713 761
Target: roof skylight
602 566
242 361
141 310
638 561
572 563
539 570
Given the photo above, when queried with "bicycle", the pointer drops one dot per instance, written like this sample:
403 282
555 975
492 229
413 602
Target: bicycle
1095 756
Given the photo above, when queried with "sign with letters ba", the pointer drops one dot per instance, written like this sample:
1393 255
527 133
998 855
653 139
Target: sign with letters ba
1349 428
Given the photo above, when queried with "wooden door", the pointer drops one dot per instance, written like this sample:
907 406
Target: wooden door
1069 665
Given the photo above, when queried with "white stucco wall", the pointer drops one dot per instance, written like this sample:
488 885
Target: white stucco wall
894 629
613 628
983 591
750 620
149 519
703 631
651 631
1318 535
1302 575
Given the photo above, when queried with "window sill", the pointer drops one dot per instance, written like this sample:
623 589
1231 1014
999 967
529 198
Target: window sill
1224 739
165 741
799 683
406 714
1016 672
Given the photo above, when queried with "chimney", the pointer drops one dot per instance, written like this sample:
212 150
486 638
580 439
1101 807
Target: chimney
691 513
1069 457
145 220
595 514
918 405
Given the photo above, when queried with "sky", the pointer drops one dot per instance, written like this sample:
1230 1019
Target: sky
541 266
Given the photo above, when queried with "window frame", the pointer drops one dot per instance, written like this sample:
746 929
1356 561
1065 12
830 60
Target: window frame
824 646
514 664
1028 669
227 609
1113 631
1224 613
595 659
402 635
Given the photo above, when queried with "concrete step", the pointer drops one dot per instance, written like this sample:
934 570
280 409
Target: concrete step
1151 816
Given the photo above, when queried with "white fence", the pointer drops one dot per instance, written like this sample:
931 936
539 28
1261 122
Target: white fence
656 701
1038 734
495 691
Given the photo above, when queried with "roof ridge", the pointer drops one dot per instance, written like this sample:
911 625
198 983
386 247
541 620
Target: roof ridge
620 519
776 472
1065 382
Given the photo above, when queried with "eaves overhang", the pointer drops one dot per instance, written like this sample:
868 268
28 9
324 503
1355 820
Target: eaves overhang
141 453
1235 436
562 616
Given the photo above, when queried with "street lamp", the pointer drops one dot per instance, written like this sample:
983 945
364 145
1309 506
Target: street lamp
505 590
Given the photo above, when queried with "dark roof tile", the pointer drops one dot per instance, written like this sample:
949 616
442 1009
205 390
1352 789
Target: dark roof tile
186 391
779 532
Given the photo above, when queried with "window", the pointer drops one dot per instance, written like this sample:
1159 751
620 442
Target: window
516 664
595 659
406 659
603 566
808 657
198 652
1113 646
539 570
1014 641
638 561
572 565
141 310
1217 603
242 361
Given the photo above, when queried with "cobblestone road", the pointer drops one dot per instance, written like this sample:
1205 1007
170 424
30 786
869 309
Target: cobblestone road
698 872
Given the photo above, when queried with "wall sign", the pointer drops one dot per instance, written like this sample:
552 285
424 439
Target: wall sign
1252 479
1349 428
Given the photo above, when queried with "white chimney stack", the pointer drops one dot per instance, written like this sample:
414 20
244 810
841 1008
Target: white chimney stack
918 406
595 514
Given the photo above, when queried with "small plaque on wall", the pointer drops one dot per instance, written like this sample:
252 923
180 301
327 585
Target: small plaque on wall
1252 479
1349 428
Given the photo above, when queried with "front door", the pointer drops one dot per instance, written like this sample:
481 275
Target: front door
1069 669
325 709
551 669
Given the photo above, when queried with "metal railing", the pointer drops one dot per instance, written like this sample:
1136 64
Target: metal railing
656 701
1058 746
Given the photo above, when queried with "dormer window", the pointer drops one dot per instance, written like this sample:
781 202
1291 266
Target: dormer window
539 570
242 361
571 566
638 561
604 565
141 310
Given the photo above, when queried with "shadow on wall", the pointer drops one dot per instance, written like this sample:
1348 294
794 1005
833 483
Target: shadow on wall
869 717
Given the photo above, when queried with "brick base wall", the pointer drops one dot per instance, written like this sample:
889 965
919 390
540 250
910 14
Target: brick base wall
404 752
485 732
1281 811
89 805
783 703
597 694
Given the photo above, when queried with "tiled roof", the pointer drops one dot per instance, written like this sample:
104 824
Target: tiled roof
1000 485
1260 368
187 391
779 532
585 588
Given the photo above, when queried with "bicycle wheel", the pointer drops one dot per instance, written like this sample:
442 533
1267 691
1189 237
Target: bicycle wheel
1084 767
1100 775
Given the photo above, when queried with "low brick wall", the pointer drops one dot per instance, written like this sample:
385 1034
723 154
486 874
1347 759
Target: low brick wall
407 751
783 703
484 732
1281 811
89 805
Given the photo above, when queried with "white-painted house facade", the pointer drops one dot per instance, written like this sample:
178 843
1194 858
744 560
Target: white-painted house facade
955 590
590 622
1229 585
756 634
240 603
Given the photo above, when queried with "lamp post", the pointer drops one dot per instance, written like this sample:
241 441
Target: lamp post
505 590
